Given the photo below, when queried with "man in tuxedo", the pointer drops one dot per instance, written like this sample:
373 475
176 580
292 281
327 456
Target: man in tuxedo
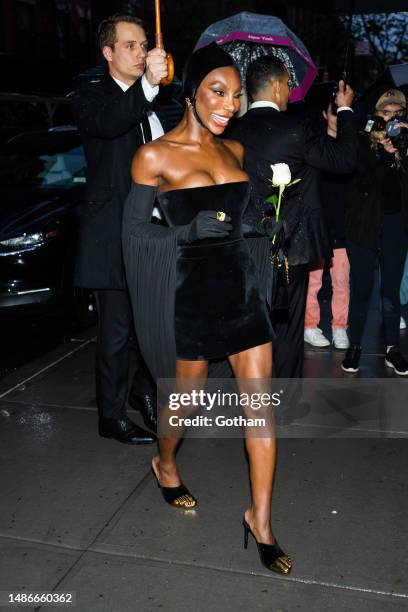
115 117
271 136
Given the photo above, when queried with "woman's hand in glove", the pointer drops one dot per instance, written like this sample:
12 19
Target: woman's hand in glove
271 228
253 228
206 225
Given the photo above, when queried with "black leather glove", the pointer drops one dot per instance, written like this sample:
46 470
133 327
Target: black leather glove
270 227
206 225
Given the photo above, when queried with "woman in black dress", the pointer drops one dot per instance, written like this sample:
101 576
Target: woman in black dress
195 288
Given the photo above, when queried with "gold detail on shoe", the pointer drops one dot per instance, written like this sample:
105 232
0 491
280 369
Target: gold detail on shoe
221 215
184 501
282 565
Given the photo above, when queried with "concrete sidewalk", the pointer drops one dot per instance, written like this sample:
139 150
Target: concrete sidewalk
82 514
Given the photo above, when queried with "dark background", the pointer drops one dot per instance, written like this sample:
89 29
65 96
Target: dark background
45 43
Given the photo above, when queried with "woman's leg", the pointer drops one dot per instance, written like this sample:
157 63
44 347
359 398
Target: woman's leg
164 464
312 313
256 363
340 276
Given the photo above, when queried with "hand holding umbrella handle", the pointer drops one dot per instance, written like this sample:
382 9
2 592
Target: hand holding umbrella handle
159 44
170 61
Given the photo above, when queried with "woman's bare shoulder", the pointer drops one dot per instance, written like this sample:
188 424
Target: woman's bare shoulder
149 161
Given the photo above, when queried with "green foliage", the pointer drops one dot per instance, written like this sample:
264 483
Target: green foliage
273 199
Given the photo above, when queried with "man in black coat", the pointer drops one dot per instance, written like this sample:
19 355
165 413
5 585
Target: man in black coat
114 115
271 136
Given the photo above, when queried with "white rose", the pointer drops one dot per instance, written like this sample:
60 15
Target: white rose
281 174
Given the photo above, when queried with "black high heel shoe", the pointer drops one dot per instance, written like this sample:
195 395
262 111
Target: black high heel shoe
271 555
178 497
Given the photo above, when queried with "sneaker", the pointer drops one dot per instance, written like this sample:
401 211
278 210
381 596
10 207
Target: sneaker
395 359
403 324
340 338
352 359
315 337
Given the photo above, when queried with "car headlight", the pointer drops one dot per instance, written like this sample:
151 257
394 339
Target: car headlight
24 240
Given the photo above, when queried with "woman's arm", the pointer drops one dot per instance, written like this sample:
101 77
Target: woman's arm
146 164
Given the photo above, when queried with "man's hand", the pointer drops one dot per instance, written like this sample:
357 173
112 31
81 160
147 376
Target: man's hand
345 95
388 146
387 143
156 66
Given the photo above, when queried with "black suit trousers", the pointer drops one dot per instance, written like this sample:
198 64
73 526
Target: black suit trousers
363 263
289 326
115 325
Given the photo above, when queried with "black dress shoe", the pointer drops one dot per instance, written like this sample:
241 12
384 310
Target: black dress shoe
124 430
146 404
351 362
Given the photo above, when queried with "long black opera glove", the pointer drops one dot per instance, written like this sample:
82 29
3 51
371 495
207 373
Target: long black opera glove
139 206
206 225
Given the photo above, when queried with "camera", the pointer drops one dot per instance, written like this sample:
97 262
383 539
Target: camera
375 124
397 134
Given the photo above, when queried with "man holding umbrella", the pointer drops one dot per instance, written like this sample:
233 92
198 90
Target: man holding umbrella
270 136
114 115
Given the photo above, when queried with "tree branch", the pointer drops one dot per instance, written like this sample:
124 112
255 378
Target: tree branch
400 46
374 48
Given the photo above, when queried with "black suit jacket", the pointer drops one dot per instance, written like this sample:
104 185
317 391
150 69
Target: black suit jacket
364 209
270 137
109 122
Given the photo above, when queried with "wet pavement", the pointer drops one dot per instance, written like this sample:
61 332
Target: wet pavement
27 336
83 514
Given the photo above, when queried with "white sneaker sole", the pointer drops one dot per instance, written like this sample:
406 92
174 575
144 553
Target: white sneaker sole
322 345
390 365
341 347
350 370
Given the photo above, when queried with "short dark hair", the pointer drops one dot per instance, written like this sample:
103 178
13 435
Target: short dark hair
261 72
106 36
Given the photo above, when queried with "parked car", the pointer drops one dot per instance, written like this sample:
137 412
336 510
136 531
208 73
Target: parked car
42 179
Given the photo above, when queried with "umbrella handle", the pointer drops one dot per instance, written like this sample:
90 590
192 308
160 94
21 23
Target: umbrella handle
170 61
160 45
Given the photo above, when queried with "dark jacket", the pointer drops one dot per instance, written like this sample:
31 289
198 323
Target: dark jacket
270 137
335 195
364 209
109 122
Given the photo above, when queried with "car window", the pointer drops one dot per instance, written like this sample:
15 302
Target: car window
29 169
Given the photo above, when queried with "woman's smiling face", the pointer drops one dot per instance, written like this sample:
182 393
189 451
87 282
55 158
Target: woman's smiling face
218 98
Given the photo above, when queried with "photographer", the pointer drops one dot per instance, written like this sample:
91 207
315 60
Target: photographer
377 226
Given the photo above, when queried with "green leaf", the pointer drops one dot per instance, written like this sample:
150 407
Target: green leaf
293 182
273 199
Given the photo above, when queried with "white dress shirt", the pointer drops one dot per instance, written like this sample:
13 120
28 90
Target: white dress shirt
262 104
